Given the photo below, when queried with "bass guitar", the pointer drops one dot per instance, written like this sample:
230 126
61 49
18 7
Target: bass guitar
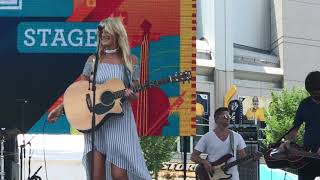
221 166
77 99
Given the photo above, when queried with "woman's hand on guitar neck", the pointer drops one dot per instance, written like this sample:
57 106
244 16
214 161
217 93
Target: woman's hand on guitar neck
130 95
55 114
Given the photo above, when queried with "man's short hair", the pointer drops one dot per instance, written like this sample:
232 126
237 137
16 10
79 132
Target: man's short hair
219 111
312 82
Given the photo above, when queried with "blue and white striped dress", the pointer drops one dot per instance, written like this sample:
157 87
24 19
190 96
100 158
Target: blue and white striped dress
117 138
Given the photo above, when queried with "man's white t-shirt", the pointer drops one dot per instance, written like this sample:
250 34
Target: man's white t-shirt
216 148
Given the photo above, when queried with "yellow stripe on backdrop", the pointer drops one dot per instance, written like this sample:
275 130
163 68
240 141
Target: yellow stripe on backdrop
187 111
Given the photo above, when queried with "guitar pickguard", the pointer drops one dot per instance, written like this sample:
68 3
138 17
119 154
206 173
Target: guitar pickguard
102 109
219 174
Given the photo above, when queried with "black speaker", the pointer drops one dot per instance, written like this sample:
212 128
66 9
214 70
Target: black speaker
248 133
11 158
250 169
15 170
8 148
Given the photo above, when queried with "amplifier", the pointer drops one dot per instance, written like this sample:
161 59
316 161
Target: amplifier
250 169
248 133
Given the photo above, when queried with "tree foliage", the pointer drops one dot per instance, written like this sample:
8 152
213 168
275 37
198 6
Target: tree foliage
157 149
280 114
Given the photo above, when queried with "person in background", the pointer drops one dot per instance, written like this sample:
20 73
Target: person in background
309 113
255 113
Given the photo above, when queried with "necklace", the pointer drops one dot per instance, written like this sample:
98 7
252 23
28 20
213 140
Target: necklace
111 51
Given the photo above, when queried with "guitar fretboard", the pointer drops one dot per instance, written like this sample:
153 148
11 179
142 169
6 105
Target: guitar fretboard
141 87
306 154
238 161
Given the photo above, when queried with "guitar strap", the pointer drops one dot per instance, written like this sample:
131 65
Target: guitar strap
92 68
128 76
232 142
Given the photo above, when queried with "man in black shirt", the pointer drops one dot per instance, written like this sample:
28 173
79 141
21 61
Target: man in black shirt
309 113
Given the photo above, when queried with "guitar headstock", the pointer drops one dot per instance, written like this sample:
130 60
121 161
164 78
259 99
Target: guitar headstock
181 76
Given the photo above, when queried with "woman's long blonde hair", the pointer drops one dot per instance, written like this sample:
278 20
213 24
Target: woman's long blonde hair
115 27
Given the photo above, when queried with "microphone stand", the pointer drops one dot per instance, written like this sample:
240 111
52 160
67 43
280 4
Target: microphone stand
22 146
22 156
34 176
2 141
29 163
92 108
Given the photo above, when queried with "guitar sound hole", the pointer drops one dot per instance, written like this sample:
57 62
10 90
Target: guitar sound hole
107 98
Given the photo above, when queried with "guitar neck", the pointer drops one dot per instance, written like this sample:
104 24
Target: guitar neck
236 162
142 87
308 154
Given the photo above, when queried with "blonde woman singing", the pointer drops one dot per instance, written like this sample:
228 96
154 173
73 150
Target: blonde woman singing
117 152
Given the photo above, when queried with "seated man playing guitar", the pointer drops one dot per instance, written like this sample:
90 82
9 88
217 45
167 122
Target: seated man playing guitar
217 143
308 112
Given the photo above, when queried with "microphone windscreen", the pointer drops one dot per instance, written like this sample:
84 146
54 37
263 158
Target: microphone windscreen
100 27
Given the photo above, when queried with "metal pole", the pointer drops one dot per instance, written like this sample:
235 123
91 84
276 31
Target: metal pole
185 157
2 173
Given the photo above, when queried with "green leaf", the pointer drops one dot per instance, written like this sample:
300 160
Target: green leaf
157 150
281 112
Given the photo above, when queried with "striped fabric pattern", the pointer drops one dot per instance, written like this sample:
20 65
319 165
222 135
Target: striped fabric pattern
117 138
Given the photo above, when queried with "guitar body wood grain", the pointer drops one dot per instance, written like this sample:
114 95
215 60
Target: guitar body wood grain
77 111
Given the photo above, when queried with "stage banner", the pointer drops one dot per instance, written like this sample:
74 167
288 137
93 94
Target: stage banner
45 44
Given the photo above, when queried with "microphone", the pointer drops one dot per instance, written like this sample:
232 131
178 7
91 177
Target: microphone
100 28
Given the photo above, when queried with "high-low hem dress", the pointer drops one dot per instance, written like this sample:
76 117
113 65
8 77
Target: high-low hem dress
117 138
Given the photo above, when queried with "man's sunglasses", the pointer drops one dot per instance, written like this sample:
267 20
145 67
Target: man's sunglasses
226 116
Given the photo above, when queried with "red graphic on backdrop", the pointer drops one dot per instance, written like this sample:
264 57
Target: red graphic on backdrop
153 102
161 121
164 16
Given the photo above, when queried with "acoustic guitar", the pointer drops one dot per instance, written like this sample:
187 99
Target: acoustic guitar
295 157
77 99
221 166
